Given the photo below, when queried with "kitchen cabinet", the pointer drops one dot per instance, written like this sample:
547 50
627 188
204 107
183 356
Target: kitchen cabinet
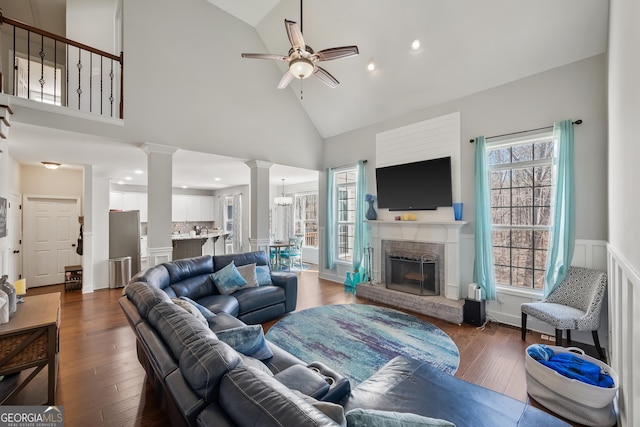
193 208
129 201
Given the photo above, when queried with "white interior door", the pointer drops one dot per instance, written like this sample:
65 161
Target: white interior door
15 238
50 236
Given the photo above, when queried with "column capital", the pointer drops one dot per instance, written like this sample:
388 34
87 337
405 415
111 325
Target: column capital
261 164
149 148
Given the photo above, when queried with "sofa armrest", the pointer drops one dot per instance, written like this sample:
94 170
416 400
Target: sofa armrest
288 282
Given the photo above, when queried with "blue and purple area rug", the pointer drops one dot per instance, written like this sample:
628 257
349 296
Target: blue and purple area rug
357 340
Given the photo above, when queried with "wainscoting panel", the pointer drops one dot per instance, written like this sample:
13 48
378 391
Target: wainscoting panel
624 330
506 309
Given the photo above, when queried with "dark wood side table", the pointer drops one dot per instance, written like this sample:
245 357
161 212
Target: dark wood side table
31 340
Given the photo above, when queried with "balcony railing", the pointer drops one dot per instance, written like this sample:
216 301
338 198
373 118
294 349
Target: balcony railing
42 66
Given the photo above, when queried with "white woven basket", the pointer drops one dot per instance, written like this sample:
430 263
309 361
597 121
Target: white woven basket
585 394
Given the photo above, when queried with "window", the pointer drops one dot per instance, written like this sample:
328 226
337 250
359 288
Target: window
228 217
521 193
306 218
345 181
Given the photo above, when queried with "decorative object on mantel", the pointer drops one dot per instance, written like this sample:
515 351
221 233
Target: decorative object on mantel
457 211
371 212
407 217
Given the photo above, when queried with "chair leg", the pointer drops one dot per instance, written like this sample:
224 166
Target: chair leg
600 350
569 336
524 326
559 337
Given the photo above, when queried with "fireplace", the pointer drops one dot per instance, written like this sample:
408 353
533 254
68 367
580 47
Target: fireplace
413 267
436 245
406 272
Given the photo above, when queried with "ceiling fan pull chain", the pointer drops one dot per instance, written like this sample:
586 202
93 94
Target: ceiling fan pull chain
301 97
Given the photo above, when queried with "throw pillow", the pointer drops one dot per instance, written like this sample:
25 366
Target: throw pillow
248 272
208 314
331 410
190 309
228 279
264 275
374 418
248 340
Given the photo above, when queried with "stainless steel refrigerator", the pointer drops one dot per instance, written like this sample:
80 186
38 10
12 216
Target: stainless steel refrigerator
124 238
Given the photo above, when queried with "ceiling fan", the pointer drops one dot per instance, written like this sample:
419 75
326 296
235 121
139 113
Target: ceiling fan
302 59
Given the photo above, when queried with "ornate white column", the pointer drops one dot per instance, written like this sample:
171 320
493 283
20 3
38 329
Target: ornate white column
159 188
259 190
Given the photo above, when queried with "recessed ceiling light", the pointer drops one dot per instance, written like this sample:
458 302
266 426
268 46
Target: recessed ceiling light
415 45
128 178
217 178
371 66
120 182
138 172
185 187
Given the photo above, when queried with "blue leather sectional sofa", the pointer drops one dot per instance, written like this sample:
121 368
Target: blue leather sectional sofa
200 380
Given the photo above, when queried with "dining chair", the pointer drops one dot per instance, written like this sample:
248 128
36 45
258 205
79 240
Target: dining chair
294 251
574 305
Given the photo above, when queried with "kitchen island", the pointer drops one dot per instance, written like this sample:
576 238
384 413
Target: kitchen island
187 245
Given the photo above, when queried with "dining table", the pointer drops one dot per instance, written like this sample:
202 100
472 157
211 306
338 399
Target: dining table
278 246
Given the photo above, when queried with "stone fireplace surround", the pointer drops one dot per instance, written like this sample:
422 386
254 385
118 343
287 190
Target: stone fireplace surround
441 236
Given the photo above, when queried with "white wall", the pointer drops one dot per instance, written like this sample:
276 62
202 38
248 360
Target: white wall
38 180
624 203
100 229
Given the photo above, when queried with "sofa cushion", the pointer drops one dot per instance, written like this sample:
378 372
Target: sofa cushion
393 388
145 297
263 273
223 321
158 276
191 309
206 313
194 287
256 298
220 304
374 418
248 272
256 257
248 340
229 279
251 398
177 327
181 269
204 361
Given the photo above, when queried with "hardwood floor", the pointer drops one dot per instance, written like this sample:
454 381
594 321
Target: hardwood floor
100 381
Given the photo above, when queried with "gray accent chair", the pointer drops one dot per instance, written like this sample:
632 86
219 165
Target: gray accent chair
574 305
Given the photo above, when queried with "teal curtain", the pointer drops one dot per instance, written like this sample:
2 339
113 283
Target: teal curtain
361 235
330 222
563 233
483 264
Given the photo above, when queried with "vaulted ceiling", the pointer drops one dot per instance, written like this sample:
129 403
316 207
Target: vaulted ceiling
466 46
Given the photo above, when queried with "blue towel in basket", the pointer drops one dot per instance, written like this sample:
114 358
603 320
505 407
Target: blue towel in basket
571 366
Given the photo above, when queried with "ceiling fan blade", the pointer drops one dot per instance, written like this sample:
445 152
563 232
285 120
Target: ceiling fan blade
294 34
265 56
325 77
285 80
336 53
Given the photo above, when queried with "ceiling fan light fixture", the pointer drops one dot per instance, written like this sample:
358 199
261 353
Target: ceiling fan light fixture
415 44
301 68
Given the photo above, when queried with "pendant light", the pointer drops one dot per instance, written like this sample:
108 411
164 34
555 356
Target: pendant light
283 200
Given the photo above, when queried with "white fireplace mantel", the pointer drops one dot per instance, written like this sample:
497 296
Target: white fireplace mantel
445 232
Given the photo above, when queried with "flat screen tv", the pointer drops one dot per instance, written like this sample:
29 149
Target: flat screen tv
424 185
